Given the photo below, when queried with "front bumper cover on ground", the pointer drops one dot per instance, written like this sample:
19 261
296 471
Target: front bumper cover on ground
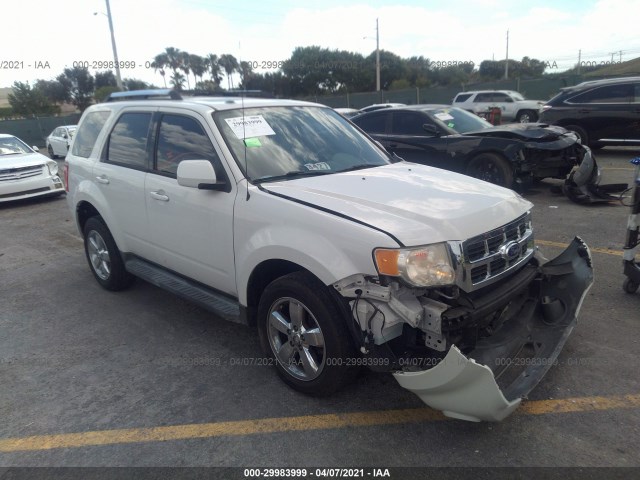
483 384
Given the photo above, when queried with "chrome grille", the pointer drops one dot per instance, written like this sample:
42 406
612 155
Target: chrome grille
488 257
19 173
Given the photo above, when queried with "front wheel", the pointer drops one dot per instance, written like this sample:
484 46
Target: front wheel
491 168
581 132
104 257
303 329
527 116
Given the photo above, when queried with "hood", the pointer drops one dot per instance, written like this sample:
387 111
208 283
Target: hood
524 131
415 203
22 160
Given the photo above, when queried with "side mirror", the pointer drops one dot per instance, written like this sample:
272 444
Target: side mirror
198 174
431 129
36 148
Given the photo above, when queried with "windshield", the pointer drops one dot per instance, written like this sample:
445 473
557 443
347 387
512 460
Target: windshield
295 141
459 120
13 146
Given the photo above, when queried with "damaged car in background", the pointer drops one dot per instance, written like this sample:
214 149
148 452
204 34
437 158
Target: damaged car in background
454 139
338 254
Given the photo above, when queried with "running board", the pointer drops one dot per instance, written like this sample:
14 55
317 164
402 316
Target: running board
209 299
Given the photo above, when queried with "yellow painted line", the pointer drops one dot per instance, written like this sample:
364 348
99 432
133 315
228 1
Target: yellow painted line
294 424
607 251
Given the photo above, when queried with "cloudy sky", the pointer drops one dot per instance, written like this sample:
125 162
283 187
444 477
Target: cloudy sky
54 35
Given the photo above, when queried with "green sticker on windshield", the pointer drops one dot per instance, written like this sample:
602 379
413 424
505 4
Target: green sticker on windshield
450 124
252 142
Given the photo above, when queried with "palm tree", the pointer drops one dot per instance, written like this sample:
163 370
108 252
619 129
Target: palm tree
245 71
229 63
159 63
177 80
185 66
198 67
174 58
213 66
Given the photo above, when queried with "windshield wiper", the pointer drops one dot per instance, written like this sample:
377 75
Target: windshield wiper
358 167
292 174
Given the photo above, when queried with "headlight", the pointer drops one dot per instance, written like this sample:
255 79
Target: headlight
426 266
53 168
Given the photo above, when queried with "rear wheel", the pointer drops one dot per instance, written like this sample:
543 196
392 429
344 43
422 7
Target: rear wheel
303 329
630 286
581 132
527 116
491 168
104 257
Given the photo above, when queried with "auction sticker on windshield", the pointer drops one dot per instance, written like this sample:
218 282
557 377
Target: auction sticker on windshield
443 116
250 126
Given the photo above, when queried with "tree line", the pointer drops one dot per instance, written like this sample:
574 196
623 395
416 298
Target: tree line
308 71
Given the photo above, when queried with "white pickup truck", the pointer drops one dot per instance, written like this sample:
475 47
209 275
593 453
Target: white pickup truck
285 216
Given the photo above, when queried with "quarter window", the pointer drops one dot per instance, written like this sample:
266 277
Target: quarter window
88 133
183 138
128 140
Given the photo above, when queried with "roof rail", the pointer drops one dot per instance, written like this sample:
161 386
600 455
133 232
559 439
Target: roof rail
155 94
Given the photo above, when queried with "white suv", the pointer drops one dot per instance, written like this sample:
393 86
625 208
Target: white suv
513 106
284 216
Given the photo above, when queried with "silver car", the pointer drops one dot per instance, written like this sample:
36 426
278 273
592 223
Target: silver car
25 173
59 140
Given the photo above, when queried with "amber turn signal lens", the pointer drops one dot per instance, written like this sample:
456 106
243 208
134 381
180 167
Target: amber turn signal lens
387 261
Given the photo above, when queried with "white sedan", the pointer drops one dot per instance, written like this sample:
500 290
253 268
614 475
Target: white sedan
24 173
59 140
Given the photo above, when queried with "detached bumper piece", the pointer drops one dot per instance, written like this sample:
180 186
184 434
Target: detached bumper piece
583 184
489 382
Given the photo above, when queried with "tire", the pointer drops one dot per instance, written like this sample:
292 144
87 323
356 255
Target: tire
582 133
629 285
527 116
52 155
319 364
104 257
491 168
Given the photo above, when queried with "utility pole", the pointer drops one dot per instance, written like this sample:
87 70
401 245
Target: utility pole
579 60
620 56
377 57
113 45
506 64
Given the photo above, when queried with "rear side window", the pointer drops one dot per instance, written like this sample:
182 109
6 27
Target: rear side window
183 138
408 123
88 133
128 140
609 94
483 97
463 97
502 97
373 123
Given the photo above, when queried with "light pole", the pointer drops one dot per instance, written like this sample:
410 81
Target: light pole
377 56
113 46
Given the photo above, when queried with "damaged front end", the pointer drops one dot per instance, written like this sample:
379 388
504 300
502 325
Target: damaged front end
474 349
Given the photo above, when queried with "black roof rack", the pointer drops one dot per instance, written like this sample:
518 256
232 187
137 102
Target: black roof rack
155 94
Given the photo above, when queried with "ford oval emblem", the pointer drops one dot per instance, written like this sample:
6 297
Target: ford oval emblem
510 251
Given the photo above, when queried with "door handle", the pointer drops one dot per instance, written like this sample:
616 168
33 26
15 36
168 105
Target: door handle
102 179
159 195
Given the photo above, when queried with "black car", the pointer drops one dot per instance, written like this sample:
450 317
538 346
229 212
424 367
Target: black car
601 112
453 139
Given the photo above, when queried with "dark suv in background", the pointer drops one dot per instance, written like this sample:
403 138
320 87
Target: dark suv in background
601 112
